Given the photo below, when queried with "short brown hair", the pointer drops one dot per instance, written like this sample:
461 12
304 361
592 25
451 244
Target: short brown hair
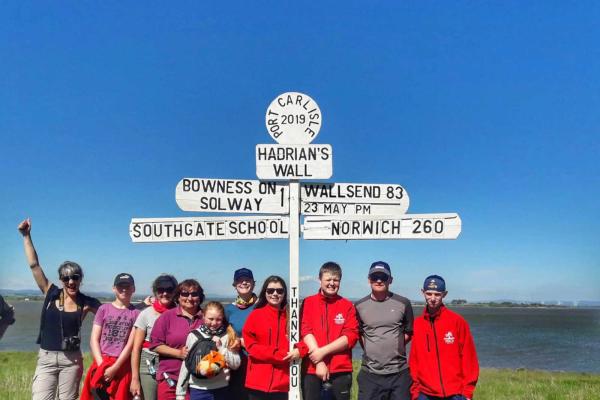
332 267
192 285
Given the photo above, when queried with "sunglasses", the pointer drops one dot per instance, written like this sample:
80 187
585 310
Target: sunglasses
74 277
124 286
188 294
165 290
274 290
379 277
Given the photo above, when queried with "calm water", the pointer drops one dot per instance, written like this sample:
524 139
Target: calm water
539 338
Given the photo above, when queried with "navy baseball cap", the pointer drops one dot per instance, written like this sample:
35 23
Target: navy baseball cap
242 273
434 283
380 266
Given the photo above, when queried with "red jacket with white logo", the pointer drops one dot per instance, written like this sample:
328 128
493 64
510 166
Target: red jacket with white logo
443 360
328 318
266 341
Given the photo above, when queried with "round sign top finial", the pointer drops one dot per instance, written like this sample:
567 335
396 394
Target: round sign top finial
293 118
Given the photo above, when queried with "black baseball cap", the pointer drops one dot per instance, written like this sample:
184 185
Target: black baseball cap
123 277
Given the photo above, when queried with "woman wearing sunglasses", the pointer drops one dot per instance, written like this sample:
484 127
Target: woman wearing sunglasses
59 364
266 340
169 334
144 362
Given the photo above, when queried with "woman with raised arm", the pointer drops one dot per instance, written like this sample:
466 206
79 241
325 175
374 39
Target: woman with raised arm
144 362
59 364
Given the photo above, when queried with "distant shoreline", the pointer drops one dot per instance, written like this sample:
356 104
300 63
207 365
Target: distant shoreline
494 383
506 337
492 304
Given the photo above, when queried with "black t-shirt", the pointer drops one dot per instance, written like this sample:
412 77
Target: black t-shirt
50 336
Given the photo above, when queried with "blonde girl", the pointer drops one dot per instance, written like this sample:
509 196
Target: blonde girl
217 329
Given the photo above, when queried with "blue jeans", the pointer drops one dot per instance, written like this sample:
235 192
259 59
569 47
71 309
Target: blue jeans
453 397
212 394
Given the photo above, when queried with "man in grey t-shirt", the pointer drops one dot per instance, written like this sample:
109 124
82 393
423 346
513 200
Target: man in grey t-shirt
385 322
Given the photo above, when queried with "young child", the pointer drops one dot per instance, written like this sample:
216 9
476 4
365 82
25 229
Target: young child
217 329
109 375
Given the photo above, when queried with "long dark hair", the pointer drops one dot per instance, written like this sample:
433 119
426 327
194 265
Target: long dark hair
262 297
163 279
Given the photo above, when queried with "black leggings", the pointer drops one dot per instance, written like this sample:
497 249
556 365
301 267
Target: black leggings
237 390
258 395
341 384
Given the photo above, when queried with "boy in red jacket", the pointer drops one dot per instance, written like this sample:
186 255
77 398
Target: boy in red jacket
330 329
443 361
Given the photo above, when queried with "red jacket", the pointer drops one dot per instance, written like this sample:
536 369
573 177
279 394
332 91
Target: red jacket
443 360
266 340
328 319
117 389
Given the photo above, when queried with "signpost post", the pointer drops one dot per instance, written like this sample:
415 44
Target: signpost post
332 211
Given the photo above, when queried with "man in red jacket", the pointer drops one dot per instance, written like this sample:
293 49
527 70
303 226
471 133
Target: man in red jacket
329 328
443 361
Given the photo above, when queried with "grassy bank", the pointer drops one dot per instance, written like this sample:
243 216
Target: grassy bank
17 370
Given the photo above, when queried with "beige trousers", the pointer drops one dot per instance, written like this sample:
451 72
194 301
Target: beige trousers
57 375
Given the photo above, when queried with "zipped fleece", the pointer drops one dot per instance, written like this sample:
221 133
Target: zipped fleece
266 340
443 361
328 318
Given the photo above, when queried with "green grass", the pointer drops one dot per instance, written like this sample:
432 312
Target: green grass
508 384
16 371
534 385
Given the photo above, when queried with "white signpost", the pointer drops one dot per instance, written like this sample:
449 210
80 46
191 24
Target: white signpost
144 230
309 161
416 226
338 211
230 195
293 118
353 199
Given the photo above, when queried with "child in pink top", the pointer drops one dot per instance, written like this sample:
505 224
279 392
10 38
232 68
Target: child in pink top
111 342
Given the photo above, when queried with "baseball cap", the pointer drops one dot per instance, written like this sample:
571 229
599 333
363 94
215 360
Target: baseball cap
434 283
380 266
165 281
123 277
242 273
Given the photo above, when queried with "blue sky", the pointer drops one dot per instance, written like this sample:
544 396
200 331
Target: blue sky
488 110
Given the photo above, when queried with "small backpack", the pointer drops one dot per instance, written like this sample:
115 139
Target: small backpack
200 348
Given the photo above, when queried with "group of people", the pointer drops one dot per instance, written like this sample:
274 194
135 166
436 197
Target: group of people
179 348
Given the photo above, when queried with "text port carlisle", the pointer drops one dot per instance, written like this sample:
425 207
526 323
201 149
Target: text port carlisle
293 118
